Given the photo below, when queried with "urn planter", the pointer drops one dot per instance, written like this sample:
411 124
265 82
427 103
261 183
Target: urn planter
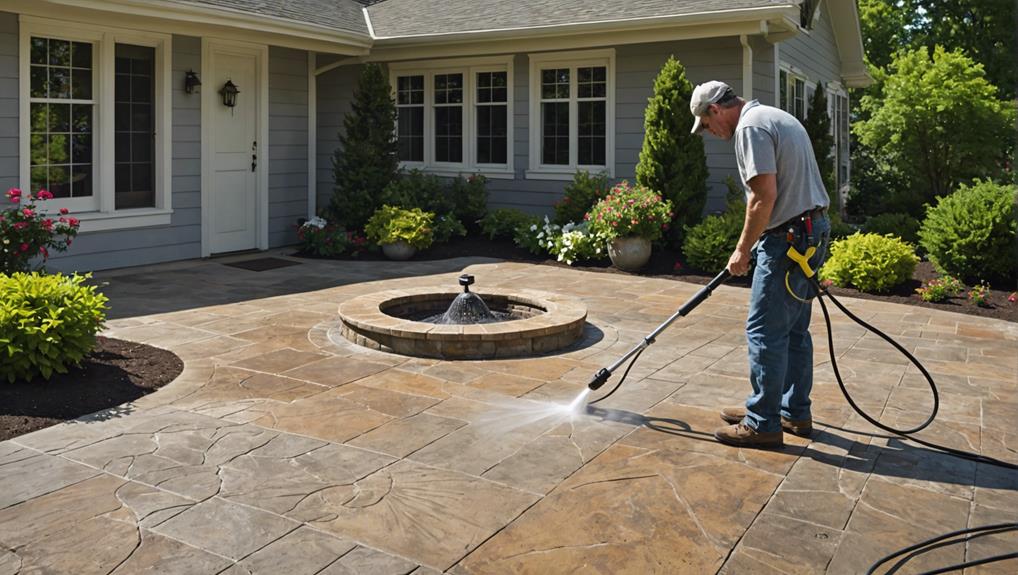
399 251
630 253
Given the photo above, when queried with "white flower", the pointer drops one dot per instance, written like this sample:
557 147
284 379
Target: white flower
533 227
316 222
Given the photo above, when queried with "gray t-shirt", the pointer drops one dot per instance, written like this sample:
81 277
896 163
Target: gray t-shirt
771 141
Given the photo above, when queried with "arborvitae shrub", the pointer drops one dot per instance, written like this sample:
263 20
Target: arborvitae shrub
366 160
672 161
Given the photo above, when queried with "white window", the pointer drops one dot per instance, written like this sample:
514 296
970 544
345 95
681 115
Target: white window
95 121
792 96
572 113
454 116
837 103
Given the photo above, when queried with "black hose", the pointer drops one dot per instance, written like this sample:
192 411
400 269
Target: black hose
632 362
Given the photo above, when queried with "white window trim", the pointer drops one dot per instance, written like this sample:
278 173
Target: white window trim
571 60
835 90
793 75
105 217
469 67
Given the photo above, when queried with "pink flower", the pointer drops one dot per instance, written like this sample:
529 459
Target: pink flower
64 211
1013 297
44 251
48 224
14 194
73 222
44 195
24 247
20 225
28 213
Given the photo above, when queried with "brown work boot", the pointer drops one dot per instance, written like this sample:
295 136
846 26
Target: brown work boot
741 435
800 427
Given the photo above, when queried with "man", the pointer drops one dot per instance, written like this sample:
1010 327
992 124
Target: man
786 204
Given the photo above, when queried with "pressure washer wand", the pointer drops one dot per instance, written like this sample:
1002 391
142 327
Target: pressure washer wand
602 376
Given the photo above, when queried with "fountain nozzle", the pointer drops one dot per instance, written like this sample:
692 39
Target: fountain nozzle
465 281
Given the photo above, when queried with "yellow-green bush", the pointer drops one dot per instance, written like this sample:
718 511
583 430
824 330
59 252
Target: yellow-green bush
47 322
869 262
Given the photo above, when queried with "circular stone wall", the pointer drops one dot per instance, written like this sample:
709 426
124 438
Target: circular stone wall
384 320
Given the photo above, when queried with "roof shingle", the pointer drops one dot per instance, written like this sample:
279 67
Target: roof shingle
339 15
397 18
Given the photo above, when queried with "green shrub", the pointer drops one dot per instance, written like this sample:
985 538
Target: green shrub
897 224
539 237
503 222
839 229
970 233
390 224
47 322
585 190
869 262
446 227
470 198
415 189
709 244
631 211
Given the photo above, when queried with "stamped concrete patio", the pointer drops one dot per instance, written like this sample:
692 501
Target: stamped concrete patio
281 449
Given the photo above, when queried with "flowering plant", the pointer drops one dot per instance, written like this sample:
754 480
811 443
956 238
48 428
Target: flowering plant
630 211
26 231
320 238
980 295
939 289
1013 298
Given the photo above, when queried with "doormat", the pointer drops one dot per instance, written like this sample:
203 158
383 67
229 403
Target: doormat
263 264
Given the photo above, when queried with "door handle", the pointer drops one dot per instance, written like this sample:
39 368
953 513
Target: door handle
254 156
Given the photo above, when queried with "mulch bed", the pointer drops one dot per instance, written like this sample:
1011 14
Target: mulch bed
116 372
663 265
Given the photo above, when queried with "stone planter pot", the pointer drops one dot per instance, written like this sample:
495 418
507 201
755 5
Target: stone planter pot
399 251
629 254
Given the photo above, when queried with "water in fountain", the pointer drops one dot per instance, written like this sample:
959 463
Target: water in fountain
468 308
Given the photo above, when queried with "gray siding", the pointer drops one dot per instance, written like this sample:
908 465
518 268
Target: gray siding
335 97
288 143
815 51
181 239
8 101
636 68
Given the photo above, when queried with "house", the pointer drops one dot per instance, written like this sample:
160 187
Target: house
179 129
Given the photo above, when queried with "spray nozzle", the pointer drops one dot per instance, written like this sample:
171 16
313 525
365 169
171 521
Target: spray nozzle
599 379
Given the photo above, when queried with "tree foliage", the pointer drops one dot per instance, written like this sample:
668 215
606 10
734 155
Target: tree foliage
939 124
366 160
983 29
672 161
818 127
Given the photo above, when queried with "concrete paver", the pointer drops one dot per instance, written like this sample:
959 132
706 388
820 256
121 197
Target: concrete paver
285 448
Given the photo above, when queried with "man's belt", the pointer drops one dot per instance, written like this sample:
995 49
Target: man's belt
782 227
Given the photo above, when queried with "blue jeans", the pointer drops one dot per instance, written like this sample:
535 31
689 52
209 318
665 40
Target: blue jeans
777 330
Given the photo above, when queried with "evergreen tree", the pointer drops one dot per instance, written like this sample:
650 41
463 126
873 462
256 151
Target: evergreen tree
818 127
672 161
367 159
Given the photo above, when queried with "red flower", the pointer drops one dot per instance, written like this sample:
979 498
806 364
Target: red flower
677 267
73 222
20 225
14 194
24 247
64 211
44 195
48 224
28 213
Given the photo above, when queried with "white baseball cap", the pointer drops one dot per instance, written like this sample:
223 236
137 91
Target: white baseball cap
703 96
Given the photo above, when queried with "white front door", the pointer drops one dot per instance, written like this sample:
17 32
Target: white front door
235 152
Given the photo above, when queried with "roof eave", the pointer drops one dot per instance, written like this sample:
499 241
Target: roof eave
183 11
848 37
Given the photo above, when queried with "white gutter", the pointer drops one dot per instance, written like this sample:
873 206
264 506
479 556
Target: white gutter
747 67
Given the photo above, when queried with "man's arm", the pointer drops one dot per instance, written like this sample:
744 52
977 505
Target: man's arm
763 192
